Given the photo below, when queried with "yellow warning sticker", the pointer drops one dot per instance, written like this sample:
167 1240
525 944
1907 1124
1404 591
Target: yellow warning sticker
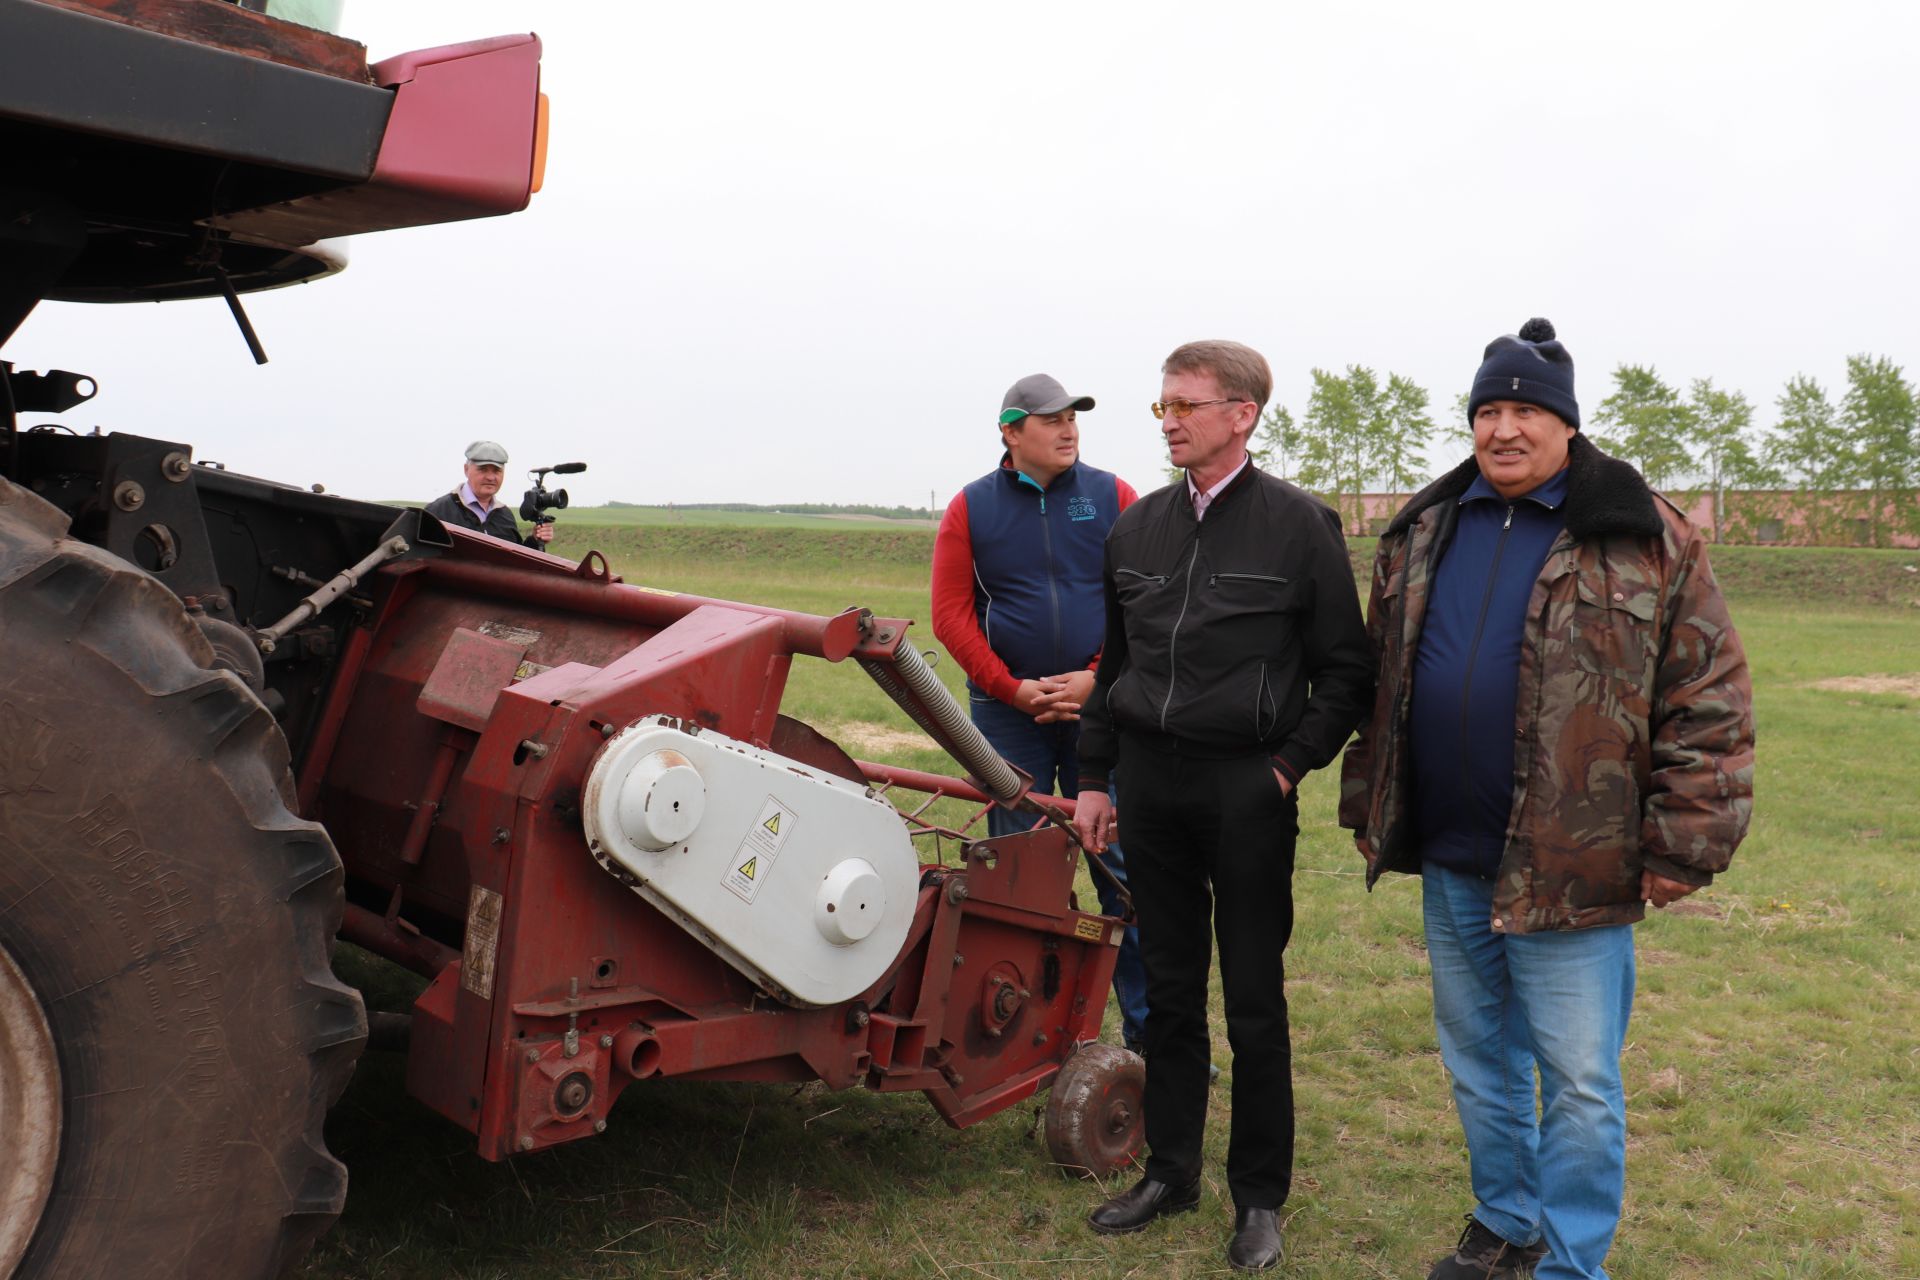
1091 930
772 827
746 872
752 863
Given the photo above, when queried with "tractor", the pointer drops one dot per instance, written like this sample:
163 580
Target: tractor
240 720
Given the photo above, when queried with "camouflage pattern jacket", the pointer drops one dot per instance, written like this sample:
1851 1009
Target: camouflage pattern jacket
1634 727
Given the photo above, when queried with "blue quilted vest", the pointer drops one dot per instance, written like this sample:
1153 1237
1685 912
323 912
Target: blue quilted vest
1037 556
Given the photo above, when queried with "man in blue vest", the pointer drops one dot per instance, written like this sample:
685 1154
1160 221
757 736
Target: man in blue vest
1017 601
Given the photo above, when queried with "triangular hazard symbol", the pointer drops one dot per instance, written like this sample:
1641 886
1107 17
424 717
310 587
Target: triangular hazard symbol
746 868
772 825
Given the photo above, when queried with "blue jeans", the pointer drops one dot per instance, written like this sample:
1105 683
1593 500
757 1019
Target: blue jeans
1049 752
1504 1006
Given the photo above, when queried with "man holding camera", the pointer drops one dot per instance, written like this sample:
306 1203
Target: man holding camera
473 505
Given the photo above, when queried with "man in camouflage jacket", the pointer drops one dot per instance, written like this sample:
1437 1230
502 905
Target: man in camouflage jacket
1562 732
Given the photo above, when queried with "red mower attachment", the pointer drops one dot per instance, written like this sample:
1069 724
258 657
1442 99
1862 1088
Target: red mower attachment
574 805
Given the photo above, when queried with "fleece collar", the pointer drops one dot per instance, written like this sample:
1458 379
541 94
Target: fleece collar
1604 495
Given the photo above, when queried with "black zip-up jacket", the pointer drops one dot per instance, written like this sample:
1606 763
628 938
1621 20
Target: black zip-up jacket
448 509
1229 635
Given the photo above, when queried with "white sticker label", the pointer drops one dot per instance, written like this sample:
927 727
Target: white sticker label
772 827
747 871
752 863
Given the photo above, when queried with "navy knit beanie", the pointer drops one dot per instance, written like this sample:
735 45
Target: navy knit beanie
1531 367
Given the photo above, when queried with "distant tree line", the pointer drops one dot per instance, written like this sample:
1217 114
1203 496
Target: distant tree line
1360 433
789 508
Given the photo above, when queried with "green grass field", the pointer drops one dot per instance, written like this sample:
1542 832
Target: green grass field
706 518
1773 1068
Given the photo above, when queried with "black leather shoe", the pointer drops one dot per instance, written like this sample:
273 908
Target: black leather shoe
1256 1240
1132 1210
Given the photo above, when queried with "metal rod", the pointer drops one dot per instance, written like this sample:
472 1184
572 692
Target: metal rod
336 587
416 840
240 316
373 932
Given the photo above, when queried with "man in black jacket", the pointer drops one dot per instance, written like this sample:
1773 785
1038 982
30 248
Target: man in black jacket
1236 662
472 505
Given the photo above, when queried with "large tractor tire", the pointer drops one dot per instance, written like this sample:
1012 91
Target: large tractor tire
170 1032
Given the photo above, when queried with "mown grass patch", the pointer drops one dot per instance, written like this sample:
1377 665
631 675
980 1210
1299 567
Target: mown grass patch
1773 1069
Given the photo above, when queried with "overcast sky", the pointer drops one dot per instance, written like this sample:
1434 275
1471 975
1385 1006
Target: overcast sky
798 252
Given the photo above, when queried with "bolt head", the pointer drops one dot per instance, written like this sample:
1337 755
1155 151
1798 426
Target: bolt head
533 1055
599 1126
606 1042
526 1142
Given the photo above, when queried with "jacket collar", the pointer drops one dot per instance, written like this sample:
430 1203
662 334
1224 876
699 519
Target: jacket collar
1604 494
1015 476
1240 481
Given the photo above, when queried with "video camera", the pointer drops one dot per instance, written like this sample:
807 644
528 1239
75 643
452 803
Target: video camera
537 501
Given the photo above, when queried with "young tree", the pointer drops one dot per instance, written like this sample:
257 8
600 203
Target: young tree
1400 439
1805 446
1278 443
1458 428
1716 431
1878 419
1333 444
1806 451
1644 420
1356 432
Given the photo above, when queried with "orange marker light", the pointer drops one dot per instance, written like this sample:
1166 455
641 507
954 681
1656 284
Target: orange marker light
539 145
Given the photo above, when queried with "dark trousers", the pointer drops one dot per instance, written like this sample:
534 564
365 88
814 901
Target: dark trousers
1210 852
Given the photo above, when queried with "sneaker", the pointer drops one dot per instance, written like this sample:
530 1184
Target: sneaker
1482 1255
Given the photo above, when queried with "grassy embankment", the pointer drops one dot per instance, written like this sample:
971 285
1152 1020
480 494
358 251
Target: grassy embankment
1773 1070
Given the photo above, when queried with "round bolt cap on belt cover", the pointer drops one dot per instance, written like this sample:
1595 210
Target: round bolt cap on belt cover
850 902
662 800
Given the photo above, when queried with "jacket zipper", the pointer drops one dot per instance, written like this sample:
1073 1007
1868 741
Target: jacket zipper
1213 580
1173 642
1053 581
1473 655
1159 578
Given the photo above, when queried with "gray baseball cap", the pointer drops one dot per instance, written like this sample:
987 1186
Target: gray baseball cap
1038 393
487 451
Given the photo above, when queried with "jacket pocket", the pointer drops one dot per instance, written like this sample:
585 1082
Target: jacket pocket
1134 585
1246 616
1614 633
1234 594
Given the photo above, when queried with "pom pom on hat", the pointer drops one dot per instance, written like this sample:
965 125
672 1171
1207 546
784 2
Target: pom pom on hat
1538 329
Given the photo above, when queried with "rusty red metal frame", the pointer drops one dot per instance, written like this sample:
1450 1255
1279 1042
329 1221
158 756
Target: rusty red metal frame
448 761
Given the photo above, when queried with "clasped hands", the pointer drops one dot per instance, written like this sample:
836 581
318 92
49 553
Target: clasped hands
1052 699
